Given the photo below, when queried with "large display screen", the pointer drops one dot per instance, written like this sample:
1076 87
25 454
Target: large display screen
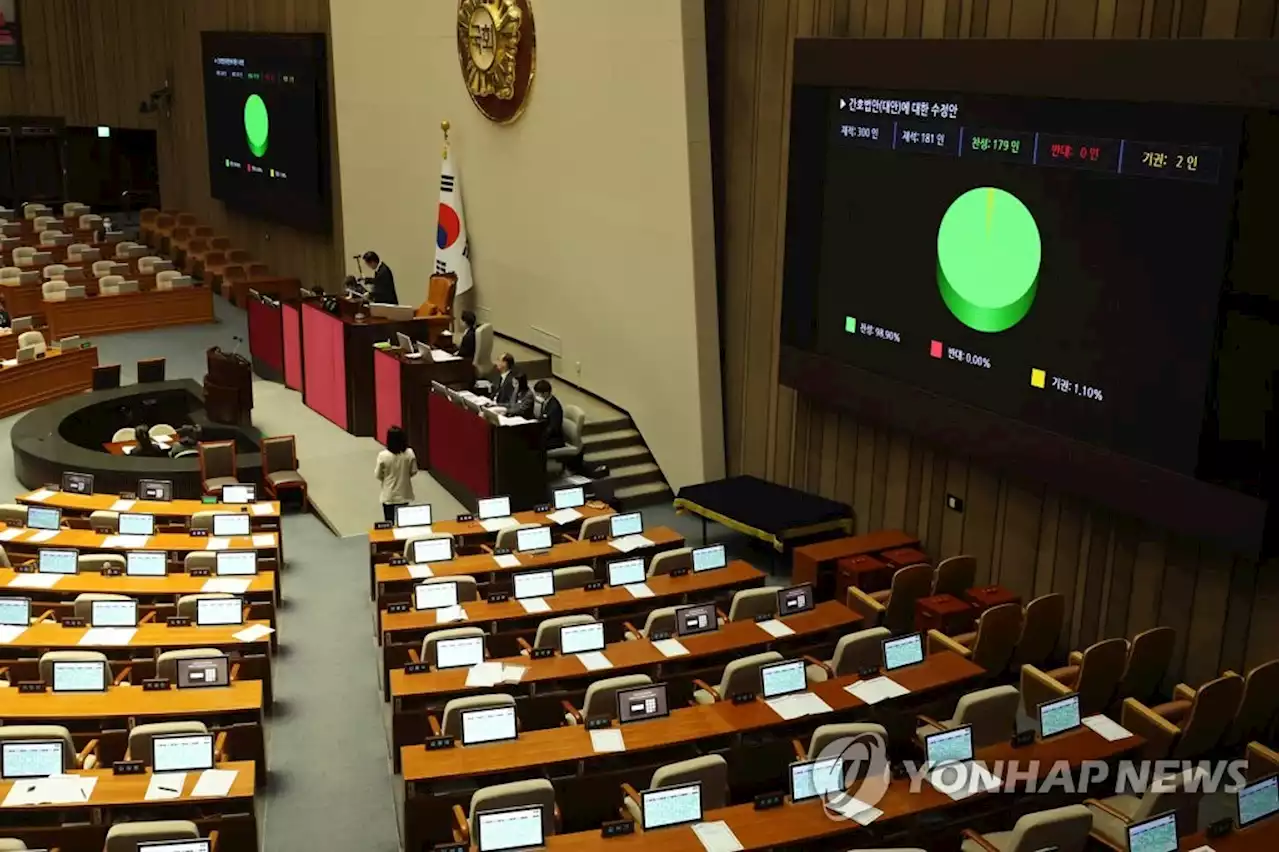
266 122
1055 261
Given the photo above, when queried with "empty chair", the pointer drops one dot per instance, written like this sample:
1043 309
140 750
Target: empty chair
548 632
257 271
450 724
467 588
42 222
32 339
164 280
955 574
71 209
54 291
48 658
96 563
71 759
573 577
280 468
12 844
1257 713
127 836
109 285
1148 662
141 737
161 429
4 558
1093 675
203 520
1189 726
50 237
200 560
150 370
147 264
602 698
1041 626
102 268
740 676
537 792
106 377
13 514
24 256
104 519
1063 829
217 465
825 735
188 604
854 652
895 607
506 539
991 645
1114 814
598 525
55 270
427 653
574 420
668 560
660 620
10 273
123 249
410 542
75 251
124 433
85 600
710 769
483 359
167 662
993 713
749 603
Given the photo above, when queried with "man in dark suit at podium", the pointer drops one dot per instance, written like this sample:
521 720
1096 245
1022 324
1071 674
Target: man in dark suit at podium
380 283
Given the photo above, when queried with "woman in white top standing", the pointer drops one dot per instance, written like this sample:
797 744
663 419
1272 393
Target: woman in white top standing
395 469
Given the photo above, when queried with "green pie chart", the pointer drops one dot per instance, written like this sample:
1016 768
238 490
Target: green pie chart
988 259
257 125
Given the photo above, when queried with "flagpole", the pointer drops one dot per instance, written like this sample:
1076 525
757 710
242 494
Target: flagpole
444 125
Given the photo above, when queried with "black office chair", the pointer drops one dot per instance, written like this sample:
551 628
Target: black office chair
150 370
106 377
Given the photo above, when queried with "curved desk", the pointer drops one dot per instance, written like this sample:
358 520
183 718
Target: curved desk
52 377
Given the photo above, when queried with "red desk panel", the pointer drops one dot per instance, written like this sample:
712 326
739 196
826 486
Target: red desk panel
387 398
291 327
324 362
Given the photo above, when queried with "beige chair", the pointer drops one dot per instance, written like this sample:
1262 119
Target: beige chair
200 560
123 434
710 769
573 577
1063 829
574 421
515 794
48 658
124 248
50 238
409 543
109 285
167 661
142 737
991 645
147 264
506 539
161 429
126 836
96 563
750 603
203 520
993 713
1093 676
427 652
217 464
1189 726
1256 716
13 514
24 256
1148 662
548 632
32 339
660 620
955 575
1041 627
10 273
102 268
483 359
55 270
12 844
854 652
450 724
86 758
1114 814
72 209
4 558
669 560
597 525
602 698
76 251
895 607
824 735
188 604
1260 762
54 291
43 222
83 604
164 280
468 589
740 676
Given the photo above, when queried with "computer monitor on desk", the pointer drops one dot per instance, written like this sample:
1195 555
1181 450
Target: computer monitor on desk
534 584
145 563
569 498
203 672
582 638
641 703
413 515
533 539
435 595
629 523
1158 834
77 483
137 523
708 558
405 342
493 507
230 523
678 805
902 651
80 676
783 678
695 619
1257 801
1058 716
463 652
813 778
31 758
625 572
182 752
241 492
488 725
795 599
57 560
113 613
43 518
428 550
160 490
954 745
15 612
202 844
509 828
219 612
237 563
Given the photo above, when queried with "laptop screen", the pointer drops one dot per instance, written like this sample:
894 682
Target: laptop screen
795 599
1058 716
15 611
569 498
136 523
237 563
665 806
708 558
77 483
43 517
493 507
214 612
239 493
509 828
230 524
431 550
435 595
534 584
695 619
79 676
902 651
582 638
56 560
145 563
200 672
418 515
488 724
181 752
952 746
533 538
642 702
1158 834
783 678
813 778
31 758
459 653
160 490
631 523
1256 801
624 572
202 845
113 613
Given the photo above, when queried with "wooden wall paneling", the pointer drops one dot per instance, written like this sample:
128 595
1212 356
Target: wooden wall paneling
896 478
1208 618
895 19
934 17
1261 644
1220 17
979 527
1148 574
879 467
913 518
846 468
1015 562
1046 546
1067 543
1127 19
1029 19
1124 553
1095 577
1074 20
877 18
829 460
1176 597
863 476
999 13
1257 19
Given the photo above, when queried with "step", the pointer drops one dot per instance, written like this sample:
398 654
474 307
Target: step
607 440
596 426
634 474
646 494
532 362
615 457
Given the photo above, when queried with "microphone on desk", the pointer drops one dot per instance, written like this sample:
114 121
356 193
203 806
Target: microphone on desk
238 341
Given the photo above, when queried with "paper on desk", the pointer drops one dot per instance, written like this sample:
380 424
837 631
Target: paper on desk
717 836
606 740
855 809
797 705
876 689
507 560
628 543
23 793
11 533
775 628
402 533
253 633
165 785
962 780
504 420
594 661
563 516
440 356
162 440
512 674
130 542
576 479
419 572
10 632
42 494
35 581
65 789
498 524
639 590
122 505
670 648
234 585
532 605
215 782
217 543
108 636
1203 849
447 614
485 674
261 509
264 540
42 535
1106 728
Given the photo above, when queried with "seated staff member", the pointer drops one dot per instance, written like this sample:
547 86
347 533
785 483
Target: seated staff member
467 346
521 404
381 283
395 469
548 409
505 390
185 446
4 317
146 446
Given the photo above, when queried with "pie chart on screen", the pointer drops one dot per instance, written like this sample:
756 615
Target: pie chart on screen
257 124
988 259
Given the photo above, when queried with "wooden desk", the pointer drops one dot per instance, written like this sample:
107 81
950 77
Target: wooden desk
401 388
901 557
944 613
56 375
984 598
389 579
9 341
1259 837
178 511
262 587
176 543
864 571
129 312
384 541
814 563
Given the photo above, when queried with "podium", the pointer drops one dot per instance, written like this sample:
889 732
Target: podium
228 387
